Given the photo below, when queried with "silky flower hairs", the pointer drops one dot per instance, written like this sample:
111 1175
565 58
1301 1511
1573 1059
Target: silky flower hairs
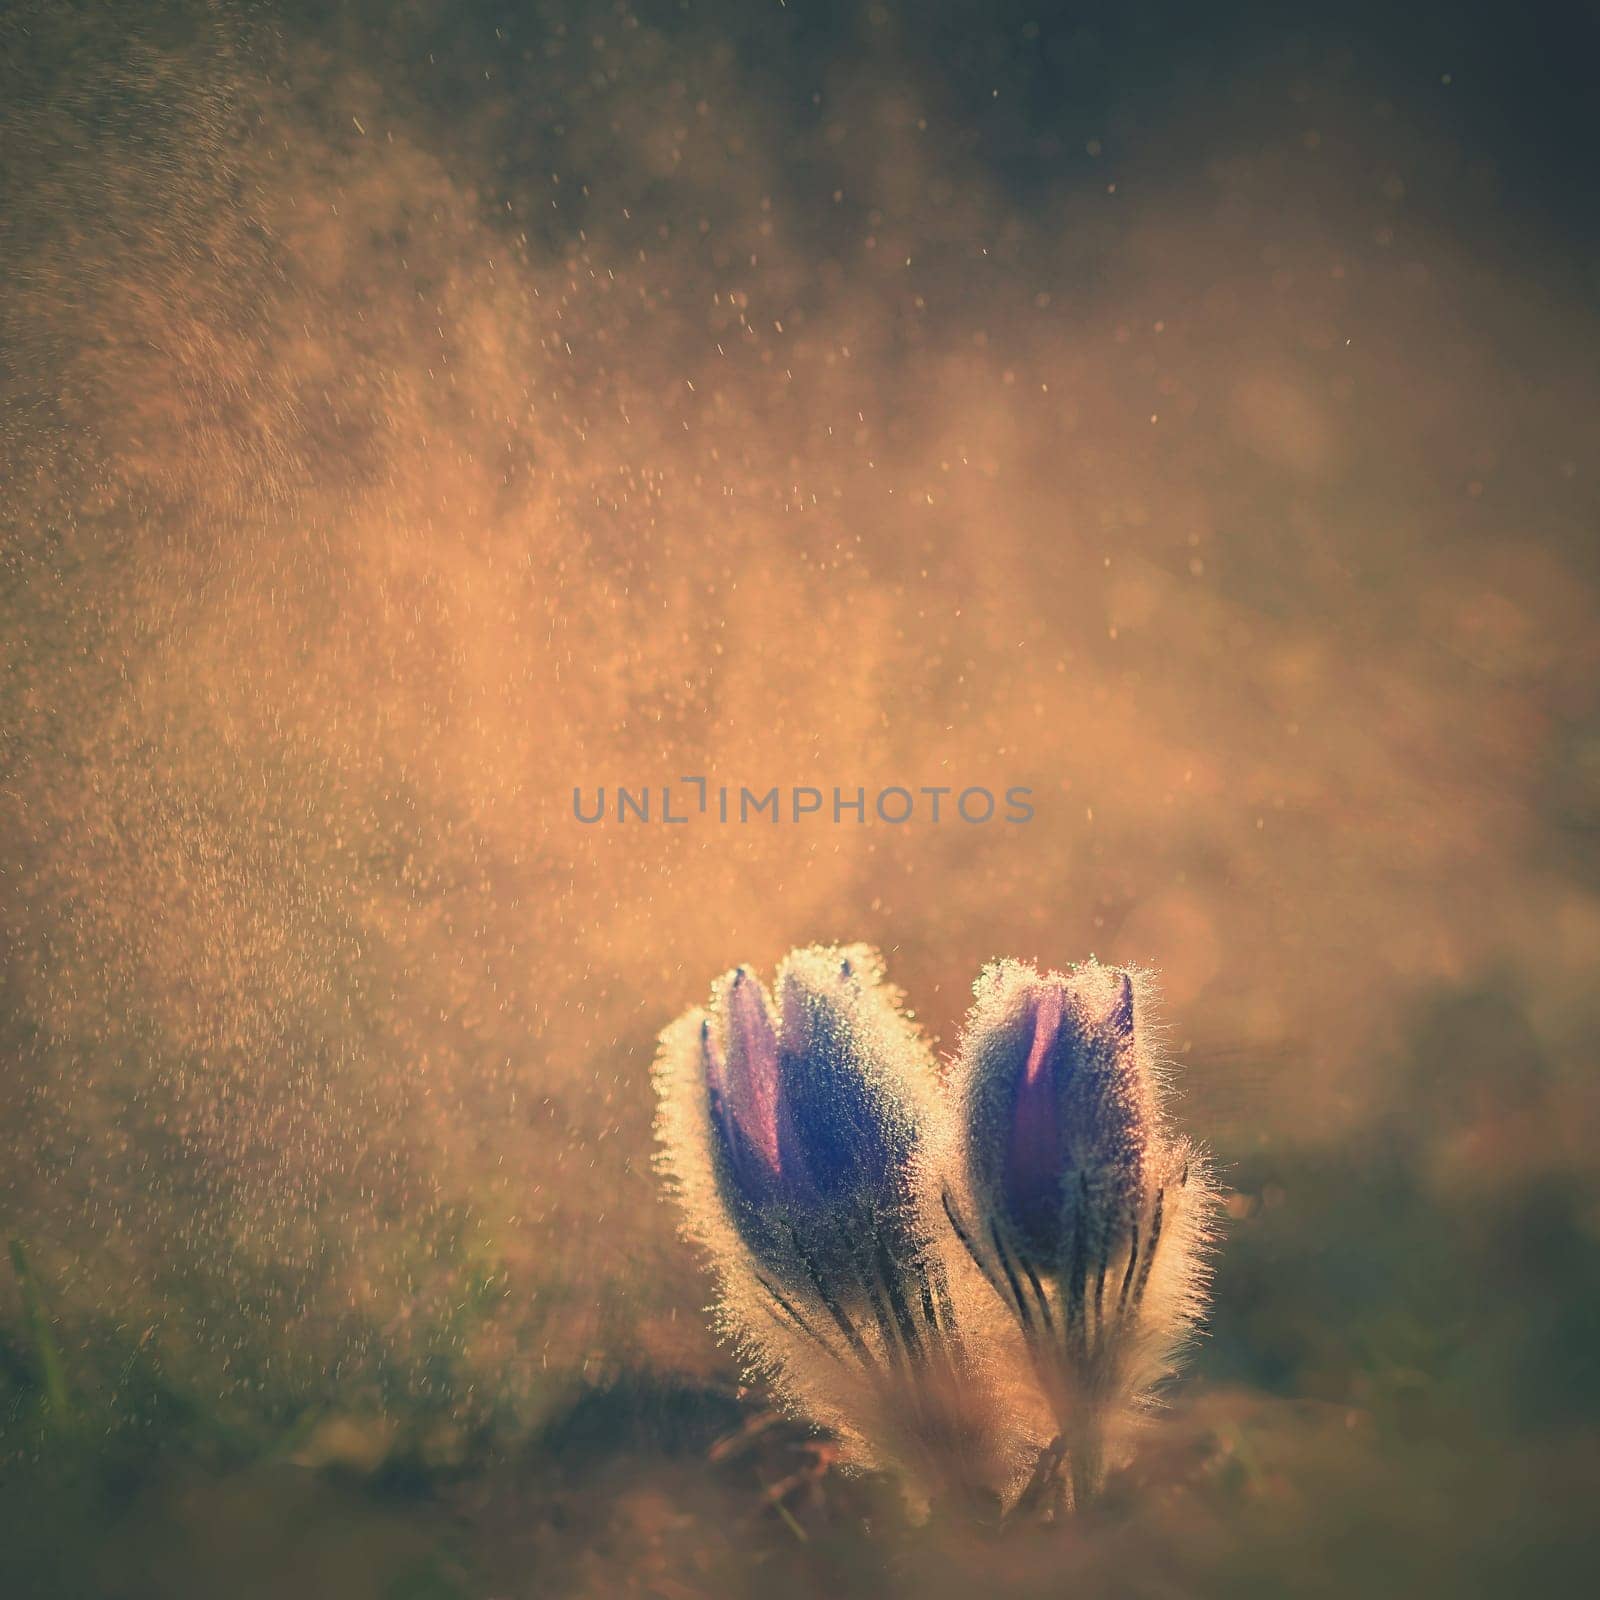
1089 1218
923 1269
794 1134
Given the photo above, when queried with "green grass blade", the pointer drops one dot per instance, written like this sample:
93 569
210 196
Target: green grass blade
52 1370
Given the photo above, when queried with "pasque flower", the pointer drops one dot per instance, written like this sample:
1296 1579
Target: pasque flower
978 1282
1086 1213
794 1129
814 1105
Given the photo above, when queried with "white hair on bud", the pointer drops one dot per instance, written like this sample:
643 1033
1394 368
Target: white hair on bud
1109 1296
860 1309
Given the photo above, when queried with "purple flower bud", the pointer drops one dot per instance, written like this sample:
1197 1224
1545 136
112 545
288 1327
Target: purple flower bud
741 1075
849 1105
1088 1217
808 1112
1059 1108
799 1131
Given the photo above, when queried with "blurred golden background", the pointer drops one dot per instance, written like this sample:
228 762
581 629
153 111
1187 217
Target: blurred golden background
413 413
